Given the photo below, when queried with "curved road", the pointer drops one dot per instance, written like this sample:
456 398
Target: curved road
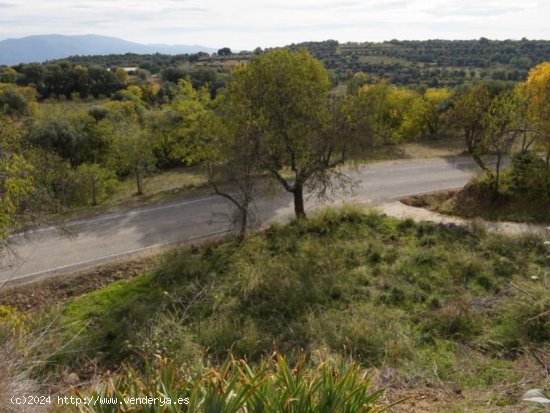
112 236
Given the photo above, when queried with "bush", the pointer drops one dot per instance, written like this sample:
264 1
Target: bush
13 102
530 175
167 336
273 387
455 319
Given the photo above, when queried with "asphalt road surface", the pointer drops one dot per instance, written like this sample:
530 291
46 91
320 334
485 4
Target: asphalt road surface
112 236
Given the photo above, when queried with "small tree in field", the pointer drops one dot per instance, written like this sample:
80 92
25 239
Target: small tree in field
96 182
286 96
437 102
26 201
133 151
16 182
232 163
466 114
503 126
223 137
538 89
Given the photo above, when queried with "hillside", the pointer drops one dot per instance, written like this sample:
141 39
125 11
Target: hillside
430 63
48 47
424 305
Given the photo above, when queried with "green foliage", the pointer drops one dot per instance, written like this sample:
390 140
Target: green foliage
63 79
396 113
273 386
466 114
537 87
530 176
69 131
195 126
12 101
437 102
284 98
16 181
94 183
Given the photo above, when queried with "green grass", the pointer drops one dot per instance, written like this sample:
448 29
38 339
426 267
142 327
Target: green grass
433 304
101 320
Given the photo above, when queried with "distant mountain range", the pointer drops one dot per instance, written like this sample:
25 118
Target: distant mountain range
48 47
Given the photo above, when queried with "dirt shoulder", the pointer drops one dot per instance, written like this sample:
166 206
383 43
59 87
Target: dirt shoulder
423 208
471 203
51 291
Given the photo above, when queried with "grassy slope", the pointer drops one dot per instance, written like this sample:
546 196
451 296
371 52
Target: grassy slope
427 305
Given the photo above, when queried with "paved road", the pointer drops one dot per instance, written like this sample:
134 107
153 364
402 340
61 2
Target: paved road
112 236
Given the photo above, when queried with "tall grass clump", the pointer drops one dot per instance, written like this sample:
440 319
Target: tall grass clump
237 387
16 349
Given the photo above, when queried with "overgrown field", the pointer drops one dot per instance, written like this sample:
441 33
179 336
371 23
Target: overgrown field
422 304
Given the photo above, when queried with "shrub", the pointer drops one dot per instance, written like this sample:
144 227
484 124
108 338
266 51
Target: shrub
454 320
167 336
530 175
273 387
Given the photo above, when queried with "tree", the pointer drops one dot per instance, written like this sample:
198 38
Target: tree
96 184
224 51
218 133
437 102
71 132
466 114
133 151
26 201
538 89
232 162
16 182
503 125
286 96
395 113
12 102
357 81
192 120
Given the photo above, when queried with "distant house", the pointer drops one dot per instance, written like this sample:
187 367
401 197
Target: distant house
129 70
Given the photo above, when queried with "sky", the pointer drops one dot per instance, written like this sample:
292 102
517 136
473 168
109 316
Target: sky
245 24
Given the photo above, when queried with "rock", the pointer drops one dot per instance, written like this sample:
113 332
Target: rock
456 388
72 379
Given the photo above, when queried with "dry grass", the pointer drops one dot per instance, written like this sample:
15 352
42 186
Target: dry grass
16 347
434 148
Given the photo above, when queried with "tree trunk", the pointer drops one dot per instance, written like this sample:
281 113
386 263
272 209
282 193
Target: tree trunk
497 177
139 183
243 223
299 209
94 192
471 147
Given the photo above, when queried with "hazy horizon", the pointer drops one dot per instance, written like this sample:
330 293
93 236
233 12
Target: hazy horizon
269 23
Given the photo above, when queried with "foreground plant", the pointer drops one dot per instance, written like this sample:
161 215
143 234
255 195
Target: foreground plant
540 399
237 387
